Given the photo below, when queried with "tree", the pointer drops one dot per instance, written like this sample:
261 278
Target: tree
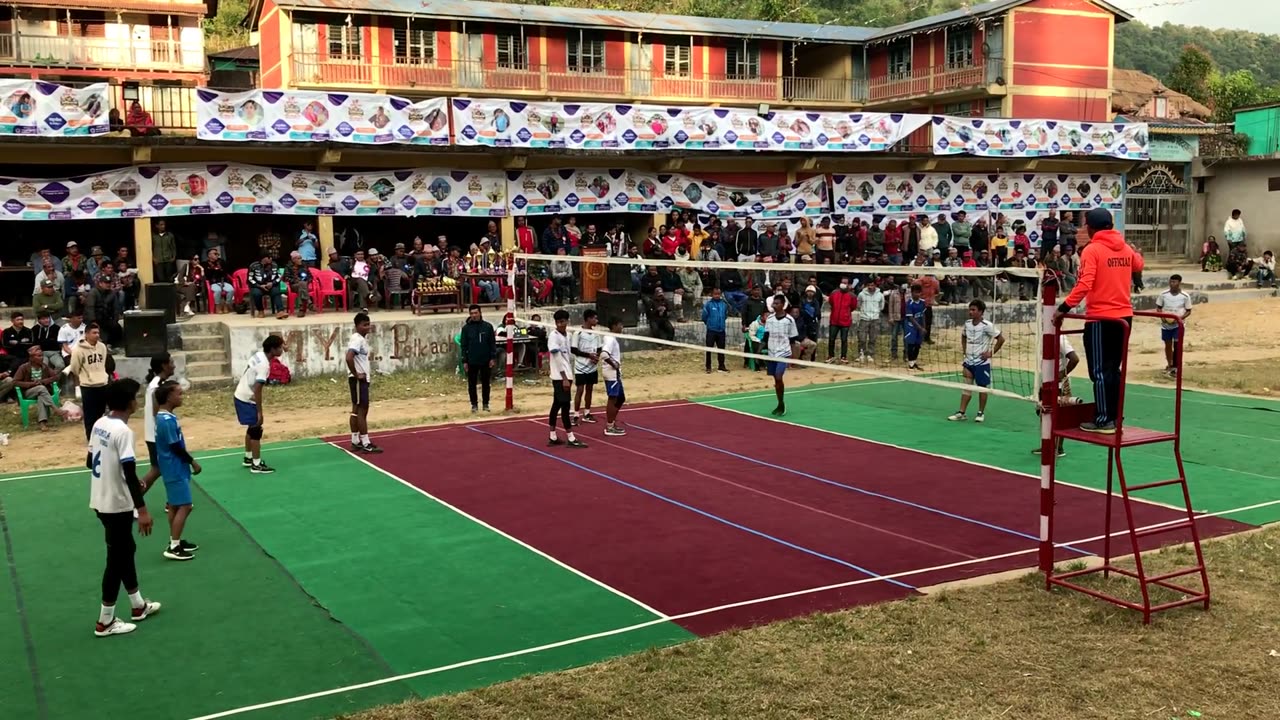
1236 90
1190 75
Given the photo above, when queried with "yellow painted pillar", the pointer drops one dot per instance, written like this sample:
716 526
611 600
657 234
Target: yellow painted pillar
507 231
142 250
324 231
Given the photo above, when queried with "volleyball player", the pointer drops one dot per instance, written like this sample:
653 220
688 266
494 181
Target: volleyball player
611 368
561 380
248 401
913 322
176 467
586 365
780 333
161 371
115 494
358 382
979 341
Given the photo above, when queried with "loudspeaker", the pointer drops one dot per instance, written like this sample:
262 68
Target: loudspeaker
623 305
145 333
164 297
619 278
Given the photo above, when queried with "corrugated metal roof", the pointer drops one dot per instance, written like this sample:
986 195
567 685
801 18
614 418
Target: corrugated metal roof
973 12
582 17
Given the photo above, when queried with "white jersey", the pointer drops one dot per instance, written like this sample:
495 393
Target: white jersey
255 373
1178 304
359 344
979 339
68 335
588 342
780 331
561 364
149 411
609 348
110 446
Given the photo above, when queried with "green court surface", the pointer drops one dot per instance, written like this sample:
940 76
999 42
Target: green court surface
330 575
1229 443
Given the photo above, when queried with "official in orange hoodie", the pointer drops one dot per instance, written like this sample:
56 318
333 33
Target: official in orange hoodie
1107 265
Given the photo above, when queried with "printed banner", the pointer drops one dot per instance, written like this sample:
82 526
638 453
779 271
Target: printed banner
168 190
999 137
930 194
543 192
602 126
299 116
46 109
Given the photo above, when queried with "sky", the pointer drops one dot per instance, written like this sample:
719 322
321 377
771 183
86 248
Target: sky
1255 15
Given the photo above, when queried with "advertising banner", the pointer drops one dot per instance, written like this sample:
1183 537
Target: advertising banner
168 190
1000 137
301 116
933 193
44 109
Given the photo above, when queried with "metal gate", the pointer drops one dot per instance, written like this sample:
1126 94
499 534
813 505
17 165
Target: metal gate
1157 214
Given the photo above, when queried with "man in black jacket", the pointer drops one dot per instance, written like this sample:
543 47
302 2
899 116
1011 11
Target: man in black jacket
479 351
17 339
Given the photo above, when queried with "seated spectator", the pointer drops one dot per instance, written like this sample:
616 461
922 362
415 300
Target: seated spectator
130 285
35 379
361 282
562 278
1238 263
139 121
215 273
1265 269
691 282
191 285
673 289
50 274
297 277
1210 256
68 336
660 317
96 263
47 299
264 282
17 340
45 336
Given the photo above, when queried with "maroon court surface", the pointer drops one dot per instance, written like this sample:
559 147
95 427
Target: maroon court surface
692 510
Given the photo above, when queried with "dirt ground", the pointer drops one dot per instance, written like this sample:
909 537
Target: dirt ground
1230 346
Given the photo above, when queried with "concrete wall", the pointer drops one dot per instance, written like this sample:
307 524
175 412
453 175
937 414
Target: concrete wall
1243 186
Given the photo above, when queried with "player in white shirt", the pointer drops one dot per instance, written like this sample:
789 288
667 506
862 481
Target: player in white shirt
70 334
611 368
561 380
248 401
1067 361
115 494
161 370
585 346
1174 302
780 332
979 340
358 382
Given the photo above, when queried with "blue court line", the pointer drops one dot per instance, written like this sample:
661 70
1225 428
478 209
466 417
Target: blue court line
691 508
854 488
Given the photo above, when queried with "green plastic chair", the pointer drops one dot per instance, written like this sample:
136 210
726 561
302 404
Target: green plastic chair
25 406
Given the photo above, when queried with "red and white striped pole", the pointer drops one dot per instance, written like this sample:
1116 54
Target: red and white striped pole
1049 406
511 336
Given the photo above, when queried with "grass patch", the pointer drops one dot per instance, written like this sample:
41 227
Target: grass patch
1009 650
1250 377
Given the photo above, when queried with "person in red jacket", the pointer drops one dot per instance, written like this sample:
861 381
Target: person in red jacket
524 236
1107 265
843 302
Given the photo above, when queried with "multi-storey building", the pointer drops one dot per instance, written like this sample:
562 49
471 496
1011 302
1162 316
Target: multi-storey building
1011 58
149 50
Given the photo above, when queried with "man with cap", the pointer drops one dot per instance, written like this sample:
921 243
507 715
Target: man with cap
1107 265
47 299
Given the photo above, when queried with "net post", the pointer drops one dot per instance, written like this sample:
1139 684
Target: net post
1048 406
511 339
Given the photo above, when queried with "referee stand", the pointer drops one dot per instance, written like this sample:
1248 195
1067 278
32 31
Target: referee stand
1063 422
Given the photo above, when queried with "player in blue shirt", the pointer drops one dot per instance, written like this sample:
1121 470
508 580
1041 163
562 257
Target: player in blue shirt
913 322
176 467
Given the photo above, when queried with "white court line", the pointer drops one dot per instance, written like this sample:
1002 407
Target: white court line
142 463
808 389
660 615
461 423
672 618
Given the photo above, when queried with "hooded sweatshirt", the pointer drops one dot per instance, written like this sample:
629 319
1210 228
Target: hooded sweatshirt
89 364
1107 265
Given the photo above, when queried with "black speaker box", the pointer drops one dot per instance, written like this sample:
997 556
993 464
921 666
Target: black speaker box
145 333
164 297
623 305
619 278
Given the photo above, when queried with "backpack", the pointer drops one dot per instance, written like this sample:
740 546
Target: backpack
279 373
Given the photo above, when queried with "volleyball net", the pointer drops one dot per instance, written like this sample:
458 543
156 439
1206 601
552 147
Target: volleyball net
939 325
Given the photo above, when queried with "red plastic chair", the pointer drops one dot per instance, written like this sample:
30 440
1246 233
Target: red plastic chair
240 283
329 284
314 286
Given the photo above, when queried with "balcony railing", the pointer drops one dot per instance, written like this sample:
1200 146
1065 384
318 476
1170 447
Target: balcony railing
603 83
920 82
65 51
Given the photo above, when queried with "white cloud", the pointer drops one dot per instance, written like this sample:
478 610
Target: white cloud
1255 15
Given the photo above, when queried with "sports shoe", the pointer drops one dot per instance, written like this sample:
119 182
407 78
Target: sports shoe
178 553
980 417
147 610
1062 452
486 408
722 370
261 468
1104 429
957 417
247 462
588 418
370 448
116 627
576 443
188 546
615 431
475 409
554 442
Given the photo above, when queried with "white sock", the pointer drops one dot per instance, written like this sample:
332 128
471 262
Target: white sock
136 601
553 435
107 614
365 439
257 461
248 455
572 438
174 542
355 438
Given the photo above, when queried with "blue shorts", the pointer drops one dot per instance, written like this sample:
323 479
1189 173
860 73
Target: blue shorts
775 369
981 373
613 388
1169 333
178 492
246 413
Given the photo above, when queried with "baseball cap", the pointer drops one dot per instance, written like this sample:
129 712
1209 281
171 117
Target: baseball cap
1099 219
71 243
399 246
333 251
373 251
46 283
